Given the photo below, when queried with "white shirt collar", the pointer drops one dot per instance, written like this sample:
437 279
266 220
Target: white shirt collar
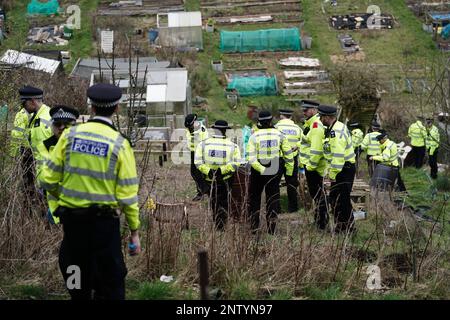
106 119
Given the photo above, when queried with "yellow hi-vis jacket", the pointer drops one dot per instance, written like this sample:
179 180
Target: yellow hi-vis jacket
338 148
45 148
357 137
312 146
40 129
19 133
266 145
293 133
418 134
389 155
433 140
217 152
193 139
93 164
370 144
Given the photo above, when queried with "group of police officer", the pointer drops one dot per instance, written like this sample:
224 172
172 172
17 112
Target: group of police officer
88 172
324 148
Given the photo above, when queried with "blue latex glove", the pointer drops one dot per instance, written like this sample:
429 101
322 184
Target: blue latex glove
50 217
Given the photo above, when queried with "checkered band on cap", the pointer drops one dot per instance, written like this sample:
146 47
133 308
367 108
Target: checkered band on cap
103 104
63 115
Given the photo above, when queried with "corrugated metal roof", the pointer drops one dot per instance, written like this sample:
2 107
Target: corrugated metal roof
33 62
185 19
85 67
167 85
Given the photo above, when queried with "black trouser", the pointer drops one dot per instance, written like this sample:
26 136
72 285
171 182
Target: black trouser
27 164
357 151
371 165
292 185
220 196
419 156
400 184
271 185
93 243
316 191
200 182
432 160
340 200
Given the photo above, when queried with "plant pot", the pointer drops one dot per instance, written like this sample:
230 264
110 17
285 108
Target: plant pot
209 28
217 66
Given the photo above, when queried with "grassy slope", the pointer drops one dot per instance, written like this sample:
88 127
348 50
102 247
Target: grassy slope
380 47
405 44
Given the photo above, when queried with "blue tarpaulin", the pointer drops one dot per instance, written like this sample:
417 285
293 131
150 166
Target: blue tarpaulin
440 16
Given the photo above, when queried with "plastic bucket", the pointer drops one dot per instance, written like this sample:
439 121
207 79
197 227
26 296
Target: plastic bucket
384 177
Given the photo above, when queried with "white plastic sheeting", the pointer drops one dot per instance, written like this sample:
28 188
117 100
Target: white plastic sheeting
17 58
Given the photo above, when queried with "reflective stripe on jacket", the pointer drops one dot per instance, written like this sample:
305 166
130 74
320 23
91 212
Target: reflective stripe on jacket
312 150
269 144
433 139
93 164
338 148
293 133
370 144
40 129
217 152
19 133
193 139
389 155
357 137
418 134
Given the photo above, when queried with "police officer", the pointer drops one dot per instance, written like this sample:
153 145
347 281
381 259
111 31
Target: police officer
432 145
339 152
389 157
294 135
265 149
195 133
311 157
62 117
92 172
36 129
418 134
357 138
218 159
371 146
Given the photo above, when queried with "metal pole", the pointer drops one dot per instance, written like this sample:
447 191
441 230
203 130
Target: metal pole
204 274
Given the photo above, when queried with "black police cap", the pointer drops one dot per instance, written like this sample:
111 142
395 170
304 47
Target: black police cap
325 110
190 119
64 113
264 115
353 124
29 92
286 112
306 104
221 124
104 95
381 136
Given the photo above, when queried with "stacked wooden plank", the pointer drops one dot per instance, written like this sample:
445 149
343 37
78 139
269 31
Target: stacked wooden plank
139 7
306 79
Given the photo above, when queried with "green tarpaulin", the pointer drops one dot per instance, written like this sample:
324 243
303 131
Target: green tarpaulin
260 40
254 86
45 8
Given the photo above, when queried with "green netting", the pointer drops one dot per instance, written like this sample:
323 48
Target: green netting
254 86
260 40
45 8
